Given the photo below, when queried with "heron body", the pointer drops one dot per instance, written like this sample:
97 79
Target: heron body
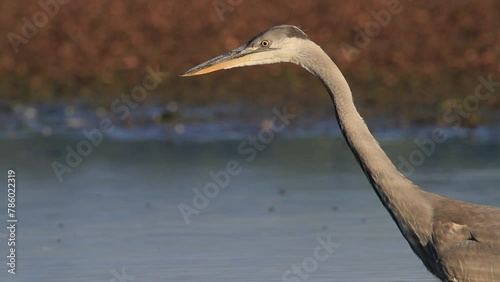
456 241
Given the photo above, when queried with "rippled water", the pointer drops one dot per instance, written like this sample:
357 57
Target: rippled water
117 213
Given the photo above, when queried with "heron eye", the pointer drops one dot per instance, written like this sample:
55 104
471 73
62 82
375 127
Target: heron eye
264 43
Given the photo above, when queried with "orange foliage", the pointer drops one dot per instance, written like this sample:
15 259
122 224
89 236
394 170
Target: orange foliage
430 49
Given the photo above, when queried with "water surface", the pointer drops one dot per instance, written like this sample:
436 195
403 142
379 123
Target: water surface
118 210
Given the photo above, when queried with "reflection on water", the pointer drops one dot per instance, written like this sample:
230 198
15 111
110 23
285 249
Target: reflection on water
116 216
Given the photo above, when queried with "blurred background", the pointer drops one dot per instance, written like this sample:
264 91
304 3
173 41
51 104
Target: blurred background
426 57
102 174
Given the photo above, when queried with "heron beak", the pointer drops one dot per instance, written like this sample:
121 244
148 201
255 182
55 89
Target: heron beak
231 59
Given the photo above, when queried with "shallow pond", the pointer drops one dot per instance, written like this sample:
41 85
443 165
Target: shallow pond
116 216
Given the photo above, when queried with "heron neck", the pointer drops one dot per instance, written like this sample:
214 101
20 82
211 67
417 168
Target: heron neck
402 199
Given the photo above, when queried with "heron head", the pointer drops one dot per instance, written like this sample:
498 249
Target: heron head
277 44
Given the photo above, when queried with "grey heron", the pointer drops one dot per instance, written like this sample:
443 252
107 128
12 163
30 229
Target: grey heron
456 241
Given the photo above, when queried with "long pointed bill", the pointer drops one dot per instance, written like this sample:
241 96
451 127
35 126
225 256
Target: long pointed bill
229 60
